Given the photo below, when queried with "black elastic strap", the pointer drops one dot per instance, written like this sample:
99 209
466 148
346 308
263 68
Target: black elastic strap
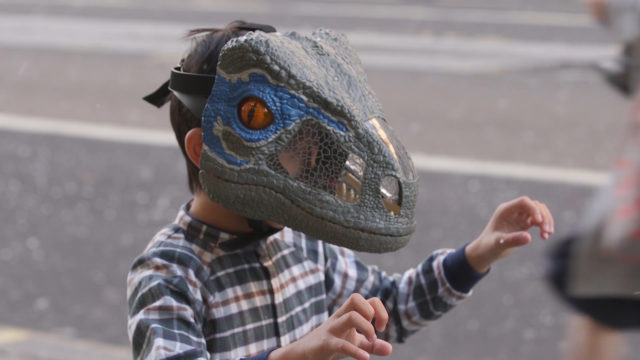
160 96
191 89
261 230
254 27
243 240
187 85
182 82
258 225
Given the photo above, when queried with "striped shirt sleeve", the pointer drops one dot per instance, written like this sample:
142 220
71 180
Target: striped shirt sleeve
414 298
165 310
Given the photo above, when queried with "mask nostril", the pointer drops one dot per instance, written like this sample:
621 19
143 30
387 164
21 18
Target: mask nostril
391 194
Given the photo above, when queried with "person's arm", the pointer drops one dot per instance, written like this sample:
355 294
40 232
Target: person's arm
165 310
412 299
425 293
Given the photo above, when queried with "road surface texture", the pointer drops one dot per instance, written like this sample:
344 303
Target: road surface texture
493 99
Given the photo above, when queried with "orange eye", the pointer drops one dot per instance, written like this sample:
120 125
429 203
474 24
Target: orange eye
254 113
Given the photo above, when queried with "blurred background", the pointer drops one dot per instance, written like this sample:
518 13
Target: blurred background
493 98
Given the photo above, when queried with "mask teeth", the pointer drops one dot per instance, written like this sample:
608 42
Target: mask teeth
393 208
390 193
348 189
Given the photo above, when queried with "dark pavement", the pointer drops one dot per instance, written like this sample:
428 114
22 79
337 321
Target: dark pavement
76 211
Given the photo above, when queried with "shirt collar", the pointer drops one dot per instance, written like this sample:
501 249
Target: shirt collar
208 236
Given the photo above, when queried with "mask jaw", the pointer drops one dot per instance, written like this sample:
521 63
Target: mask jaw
283 210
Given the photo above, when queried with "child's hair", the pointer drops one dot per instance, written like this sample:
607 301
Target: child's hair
202 58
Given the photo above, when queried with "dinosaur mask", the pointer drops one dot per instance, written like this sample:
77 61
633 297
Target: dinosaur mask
293 134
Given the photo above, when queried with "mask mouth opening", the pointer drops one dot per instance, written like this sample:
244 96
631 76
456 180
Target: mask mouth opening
315 158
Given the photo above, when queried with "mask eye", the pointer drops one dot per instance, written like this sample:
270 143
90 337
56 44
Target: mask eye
254 113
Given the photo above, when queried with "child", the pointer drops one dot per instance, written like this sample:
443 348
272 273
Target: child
292 135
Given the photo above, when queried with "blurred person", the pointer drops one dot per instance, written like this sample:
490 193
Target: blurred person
272 152
621 16
597 268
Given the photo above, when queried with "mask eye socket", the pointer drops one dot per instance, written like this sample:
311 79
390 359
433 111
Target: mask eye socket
254 113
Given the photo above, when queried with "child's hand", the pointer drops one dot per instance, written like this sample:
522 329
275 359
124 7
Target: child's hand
348 332
507 229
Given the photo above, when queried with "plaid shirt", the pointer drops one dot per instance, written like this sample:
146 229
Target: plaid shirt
191 299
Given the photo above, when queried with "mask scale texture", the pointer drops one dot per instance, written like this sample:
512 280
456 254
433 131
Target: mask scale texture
329 165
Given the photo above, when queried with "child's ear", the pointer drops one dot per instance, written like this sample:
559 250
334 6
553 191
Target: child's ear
193 145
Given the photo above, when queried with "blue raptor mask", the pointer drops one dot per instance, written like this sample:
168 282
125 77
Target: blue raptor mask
293 134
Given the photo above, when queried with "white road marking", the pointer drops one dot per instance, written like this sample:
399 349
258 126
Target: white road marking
441 14
355 9
12 335
423 162
511 170
17 343
378 50
77 129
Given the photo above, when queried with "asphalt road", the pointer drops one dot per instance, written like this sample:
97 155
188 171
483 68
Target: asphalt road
494 82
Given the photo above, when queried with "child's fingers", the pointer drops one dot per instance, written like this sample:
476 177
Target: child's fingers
341 346
381 315
381 348
537 214
548 219
525 208
376 347
354 320
356 302
546 223
513 240
530 207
